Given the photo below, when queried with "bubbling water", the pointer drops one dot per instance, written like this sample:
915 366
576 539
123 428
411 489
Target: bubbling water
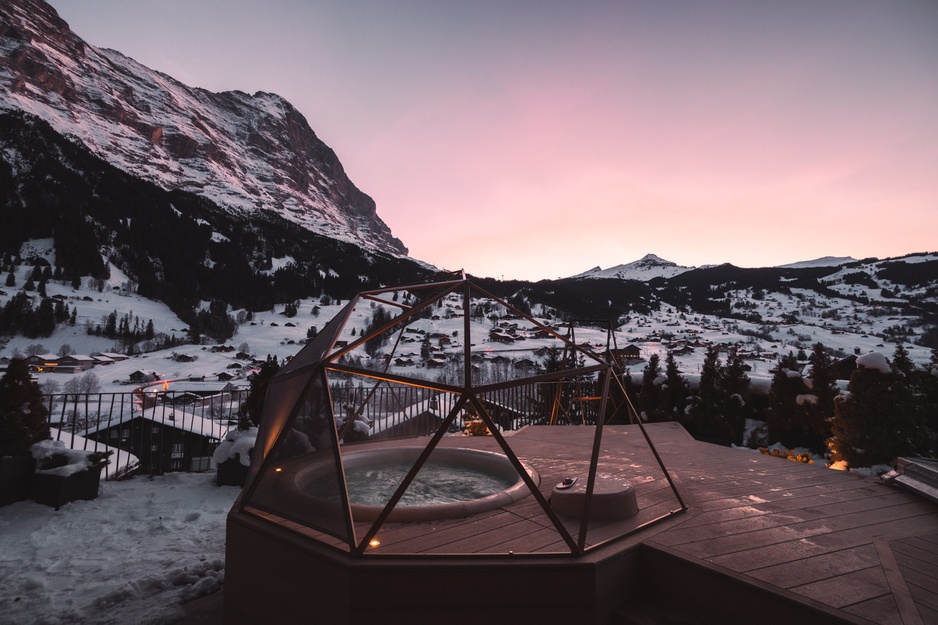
434 484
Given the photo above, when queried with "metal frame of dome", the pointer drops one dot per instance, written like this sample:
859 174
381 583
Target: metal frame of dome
299 420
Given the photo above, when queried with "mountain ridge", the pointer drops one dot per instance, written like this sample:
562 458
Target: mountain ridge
247 153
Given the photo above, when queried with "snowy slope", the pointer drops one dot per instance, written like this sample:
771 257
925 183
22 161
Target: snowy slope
825 261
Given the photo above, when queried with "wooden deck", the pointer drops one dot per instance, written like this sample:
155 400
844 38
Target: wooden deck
768 533
840 539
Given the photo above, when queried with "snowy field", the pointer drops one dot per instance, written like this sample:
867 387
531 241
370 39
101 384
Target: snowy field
131 556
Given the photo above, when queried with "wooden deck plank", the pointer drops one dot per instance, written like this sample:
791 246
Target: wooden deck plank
857 510
848 589
897 584
922 544
910 557
881 610
817 568
922 588
707 546
745 559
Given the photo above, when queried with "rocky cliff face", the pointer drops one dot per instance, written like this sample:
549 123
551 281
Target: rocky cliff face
245 152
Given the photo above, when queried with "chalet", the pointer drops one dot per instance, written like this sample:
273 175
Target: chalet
164 440
403 362
142 377
224 376
74 363
628 353
843 368
42 362
103 361
500 337
114 356
525 364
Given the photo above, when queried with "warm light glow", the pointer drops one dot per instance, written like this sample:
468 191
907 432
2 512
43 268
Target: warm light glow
278 470
374 542
165 385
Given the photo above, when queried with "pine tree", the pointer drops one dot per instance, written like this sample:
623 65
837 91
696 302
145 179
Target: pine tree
253 407
782 417
649 399
735 396
22 411
877 420
705 417
819 412
674 391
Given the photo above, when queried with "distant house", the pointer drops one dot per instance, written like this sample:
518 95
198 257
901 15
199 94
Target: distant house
103 360
141 377
628 353
164 439
844 367
42 362
74 363
200 392
224 376
114 356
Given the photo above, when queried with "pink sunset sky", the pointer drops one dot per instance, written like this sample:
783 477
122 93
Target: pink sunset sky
538 139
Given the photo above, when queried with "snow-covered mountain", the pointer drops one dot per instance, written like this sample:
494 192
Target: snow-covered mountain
247 153
824 261
645 268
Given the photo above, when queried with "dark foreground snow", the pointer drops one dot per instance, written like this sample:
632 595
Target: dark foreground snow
130 556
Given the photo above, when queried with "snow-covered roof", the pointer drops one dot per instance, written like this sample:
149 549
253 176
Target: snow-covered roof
186 386
874 360
171 417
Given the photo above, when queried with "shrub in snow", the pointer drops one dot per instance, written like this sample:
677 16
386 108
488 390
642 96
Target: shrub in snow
238 445
54 458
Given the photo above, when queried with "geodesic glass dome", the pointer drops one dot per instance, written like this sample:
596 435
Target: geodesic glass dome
406 384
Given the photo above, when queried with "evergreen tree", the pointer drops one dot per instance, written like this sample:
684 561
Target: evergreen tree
649 399
45 323
735 396
901 363
877 420
22 411
674 391
11 278
783 417
705 417
253 407
820 411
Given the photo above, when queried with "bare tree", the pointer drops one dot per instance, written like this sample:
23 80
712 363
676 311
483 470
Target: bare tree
35 349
